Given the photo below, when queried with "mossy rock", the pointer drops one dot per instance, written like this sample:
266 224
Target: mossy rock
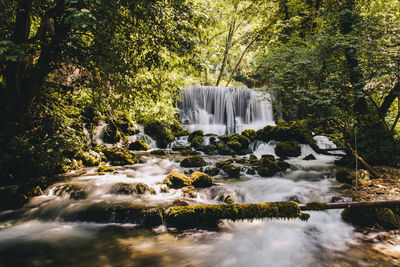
210 215
177 130
310 157
129 189
243 140
232 170
164 189
74 191
221 164
267 167
189 192
268 156
125 126
88 158
209 149
193 161
287 149
283 165
225 138
112 134
119 157
177 180
200 180
185 150
229 199
344 176
235 145
158 152
194 134
160 132
250 134
105 169
139 145
316 206
197 141
212 171
224 149
367 216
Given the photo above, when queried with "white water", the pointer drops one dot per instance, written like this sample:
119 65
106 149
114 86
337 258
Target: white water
221 110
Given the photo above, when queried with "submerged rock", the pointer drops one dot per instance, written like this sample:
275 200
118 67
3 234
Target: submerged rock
310 157
139 145
158 152
287 149
177 180
200 180
189 192
193 161
129 189
212 171
74 191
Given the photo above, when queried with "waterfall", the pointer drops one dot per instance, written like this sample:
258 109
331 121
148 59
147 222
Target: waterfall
221 110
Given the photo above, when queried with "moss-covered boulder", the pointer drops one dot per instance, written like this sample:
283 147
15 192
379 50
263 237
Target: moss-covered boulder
232 170
139 145
225 138
228 199
200 180
283 165
195 134
193 161
177 180
73 191
235 145
209 149
119 157
105 169
185 150
89 159
267 167
253 159
129 189
177 130
189 192
287 149
160 132
197 141
250 134
224 149
367 216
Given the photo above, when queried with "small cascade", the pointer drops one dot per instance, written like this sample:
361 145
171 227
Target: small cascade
224 110
142 136
98 133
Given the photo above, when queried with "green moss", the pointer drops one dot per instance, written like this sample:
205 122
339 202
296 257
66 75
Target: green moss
200 180
287 149
235 145
177 180
243 140
105 169
283 165
194 134
209 149
160 132
250 134
267 167
316 206
232 170
88 158
228 199
119 156
209 215
197 141
212 171
139 145
225 138
193 161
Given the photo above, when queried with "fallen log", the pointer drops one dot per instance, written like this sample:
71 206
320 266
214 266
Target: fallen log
369 167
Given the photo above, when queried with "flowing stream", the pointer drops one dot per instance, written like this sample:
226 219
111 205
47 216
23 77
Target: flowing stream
50 231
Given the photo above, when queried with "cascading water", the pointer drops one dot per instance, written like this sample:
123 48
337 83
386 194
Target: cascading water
221 110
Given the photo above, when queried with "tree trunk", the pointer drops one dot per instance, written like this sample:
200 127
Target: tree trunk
226 51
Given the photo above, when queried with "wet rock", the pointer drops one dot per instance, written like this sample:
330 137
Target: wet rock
225 138
200 180
310 157
164 189
268 156
197 141
235 145
189 192
139 145
158 152
74 191
224 149
209 149
103 169
10 198
232 170
89 159
112 134
177 180
160 132
251 171
287 149
293 198
129 189
267 168
212 171
283 165
221 164
240 160
193 161
253 159
185 150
